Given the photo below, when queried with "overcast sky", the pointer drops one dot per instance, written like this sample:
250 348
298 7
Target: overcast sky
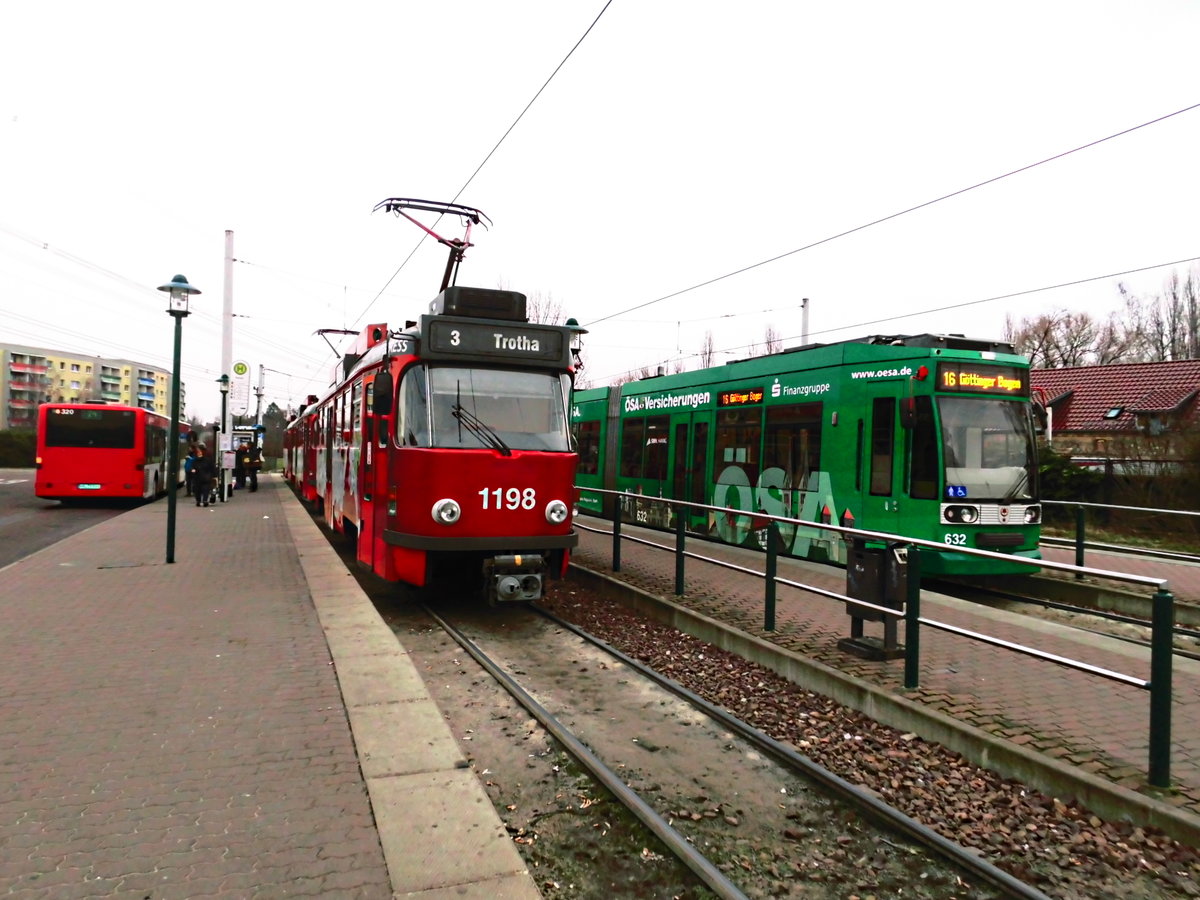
679 143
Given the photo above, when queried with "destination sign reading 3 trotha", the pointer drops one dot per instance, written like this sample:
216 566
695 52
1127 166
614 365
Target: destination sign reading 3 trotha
507 340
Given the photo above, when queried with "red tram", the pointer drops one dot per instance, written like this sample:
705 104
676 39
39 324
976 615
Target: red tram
446 445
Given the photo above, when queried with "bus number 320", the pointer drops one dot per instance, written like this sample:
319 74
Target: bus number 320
508 498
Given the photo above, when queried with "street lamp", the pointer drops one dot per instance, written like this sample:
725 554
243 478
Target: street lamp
177 307
577 333
224 382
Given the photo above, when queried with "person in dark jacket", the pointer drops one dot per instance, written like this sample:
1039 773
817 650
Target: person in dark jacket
253 466
203 473
241 462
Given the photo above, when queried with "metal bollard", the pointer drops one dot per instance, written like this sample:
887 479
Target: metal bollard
616 536
1161 661
679 547
912 624
1079 538
772 568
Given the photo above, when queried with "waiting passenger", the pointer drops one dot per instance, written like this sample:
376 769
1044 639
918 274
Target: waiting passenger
203 474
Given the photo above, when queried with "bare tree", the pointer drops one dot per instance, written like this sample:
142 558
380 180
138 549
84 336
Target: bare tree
774 339
1064 338
1167 325
543 308
708 351
634 375
539 307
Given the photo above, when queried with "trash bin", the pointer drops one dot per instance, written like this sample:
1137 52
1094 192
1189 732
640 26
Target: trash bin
877 575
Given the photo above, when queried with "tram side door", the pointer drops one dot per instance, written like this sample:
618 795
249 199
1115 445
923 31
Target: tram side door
880 474
689 466
372 471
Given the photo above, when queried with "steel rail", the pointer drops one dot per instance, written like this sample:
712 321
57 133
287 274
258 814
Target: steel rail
835 784
1145 509
677 843
1148 552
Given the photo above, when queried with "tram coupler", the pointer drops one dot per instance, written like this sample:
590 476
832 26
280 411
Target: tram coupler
514 578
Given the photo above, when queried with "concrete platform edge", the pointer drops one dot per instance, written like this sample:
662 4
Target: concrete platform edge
355 633
1010 760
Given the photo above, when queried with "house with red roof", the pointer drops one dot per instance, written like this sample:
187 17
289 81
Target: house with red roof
1129 411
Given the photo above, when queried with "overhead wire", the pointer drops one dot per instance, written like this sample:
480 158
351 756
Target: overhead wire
936 309
896 215
489 155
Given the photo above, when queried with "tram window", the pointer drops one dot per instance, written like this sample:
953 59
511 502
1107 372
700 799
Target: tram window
507 409
644 447
657 443
923 466
587 437
988 448
858 458
794 444
883 442
739 433
412 409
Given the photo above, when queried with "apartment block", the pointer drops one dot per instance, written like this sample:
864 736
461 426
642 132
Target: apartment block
30 376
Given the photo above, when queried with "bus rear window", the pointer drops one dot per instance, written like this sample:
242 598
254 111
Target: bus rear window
104 428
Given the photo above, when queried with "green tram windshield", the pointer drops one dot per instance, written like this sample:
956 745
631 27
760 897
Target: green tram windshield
505 409
988 449
110 429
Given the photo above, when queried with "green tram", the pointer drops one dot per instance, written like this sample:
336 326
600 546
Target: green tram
927 436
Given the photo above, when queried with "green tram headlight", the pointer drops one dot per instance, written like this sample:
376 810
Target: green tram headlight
960 514
1033 515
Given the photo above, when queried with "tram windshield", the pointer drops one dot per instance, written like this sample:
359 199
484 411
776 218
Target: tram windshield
988 449
504 409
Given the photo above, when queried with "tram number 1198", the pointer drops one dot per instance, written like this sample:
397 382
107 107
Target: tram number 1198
508 498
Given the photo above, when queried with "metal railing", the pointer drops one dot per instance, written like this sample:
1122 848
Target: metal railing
1158 686
1081 543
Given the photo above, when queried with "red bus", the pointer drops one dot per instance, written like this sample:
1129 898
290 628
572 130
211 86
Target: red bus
90 450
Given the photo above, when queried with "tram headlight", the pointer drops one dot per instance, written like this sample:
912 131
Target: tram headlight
446 512
960 515
1033 515
557 512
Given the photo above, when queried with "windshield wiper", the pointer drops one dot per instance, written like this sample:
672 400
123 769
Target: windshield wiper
484 432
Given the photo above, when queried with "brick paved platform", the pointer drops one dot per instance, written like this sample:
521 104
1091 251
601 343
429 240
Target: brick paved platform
1072 733
240 723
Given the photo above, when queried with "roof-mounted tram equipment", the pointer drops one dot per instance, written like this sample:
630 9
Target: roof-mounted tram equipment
446 444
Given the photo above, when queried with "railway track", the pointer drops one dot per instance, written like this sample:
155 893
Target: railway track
744 814
1148 552
1130 628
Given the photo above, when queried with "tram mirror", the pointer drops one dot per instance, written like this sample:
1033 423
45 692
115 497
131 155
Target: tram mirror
381 397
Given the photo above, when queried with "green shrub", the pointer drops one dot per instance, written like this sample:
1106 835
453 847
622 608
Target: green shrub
1061 479
17 449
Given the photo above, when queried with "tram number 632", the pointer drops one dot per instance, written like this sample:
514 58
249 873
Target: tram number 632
508 498
956 539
